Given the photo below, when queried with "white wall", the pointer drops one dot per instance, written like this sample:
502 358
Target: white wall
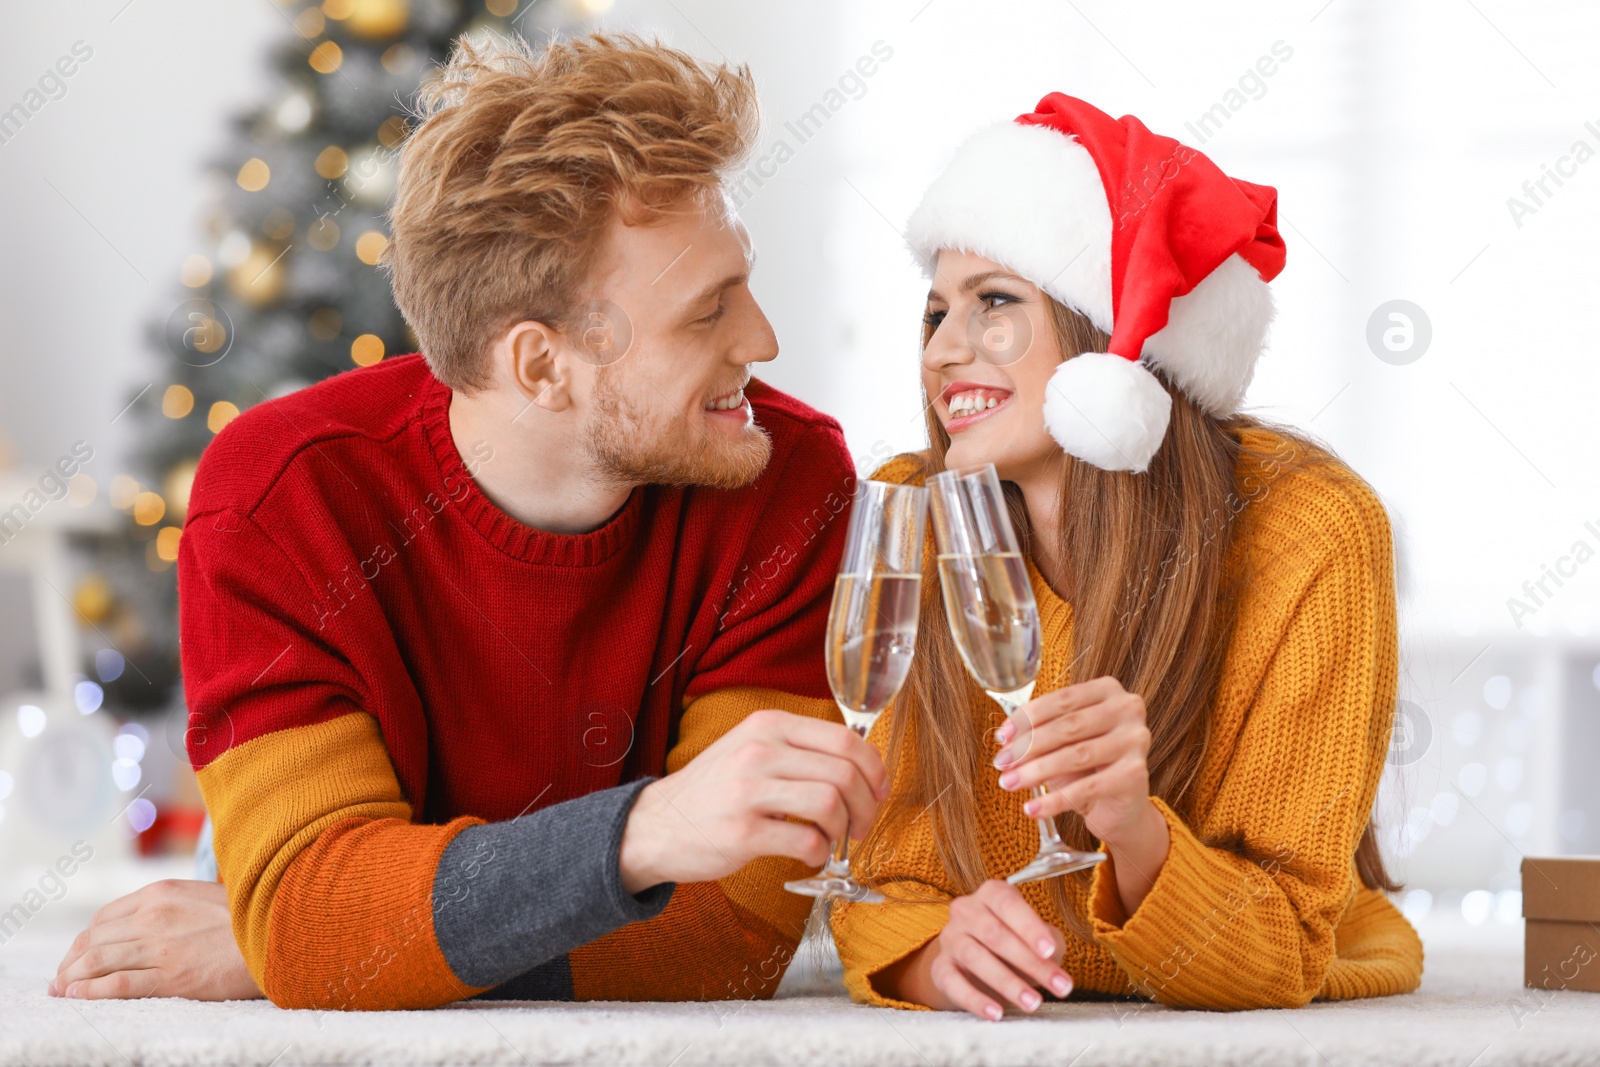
101 193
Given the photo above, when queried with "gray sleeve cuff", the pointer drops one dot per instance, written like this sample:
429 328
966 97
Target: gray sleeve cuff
509 896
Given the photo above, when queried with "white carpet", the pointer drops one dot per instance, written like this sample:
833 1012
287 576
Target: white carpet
1463 1015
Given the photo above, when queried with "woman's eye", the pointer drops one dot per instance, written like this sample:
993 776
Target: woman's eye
932 319
997 299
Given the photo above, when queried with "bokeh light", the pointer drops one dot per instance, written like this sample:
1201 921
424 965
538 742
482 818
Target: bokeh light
88 697
109 664
326 57
148 508
366 350
221 413
254 175
177 402
30 720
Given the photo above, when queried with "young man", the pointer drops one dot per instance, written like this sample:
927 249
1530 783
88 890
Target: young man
447 621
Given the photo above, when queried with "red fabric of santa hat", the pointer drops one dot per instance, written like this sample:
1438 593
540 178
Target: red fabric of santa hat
1144 236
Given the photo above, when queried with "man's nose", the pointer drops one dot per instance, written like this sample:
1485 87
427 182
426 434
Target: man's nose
759 343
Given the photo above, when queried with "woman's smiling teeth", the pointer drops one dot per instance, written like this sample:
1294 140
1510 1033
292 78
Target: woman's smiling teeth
732 400
973 402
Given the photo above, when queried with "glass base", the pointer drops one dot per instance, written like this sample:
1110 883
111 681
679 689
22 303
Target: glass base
833 882
1052 863
835 887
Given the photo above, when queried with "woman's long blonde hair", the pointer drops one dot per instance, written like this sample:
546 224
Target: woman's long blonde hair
1152 600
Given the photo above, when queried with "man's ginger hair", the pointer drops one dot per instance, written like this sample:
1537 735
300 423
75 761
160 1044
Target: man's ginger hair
521 158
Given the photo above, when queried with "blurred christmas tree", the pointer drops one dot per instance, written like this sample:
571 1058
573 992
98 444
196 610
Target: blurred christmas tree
285 292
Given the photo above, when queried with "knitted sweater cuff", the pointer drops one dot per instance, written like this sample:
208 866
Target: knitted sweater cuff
874 937
1150 943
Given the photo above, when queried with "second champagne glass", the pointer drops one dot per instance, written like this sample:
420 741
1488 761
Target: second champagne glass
994 618
872 631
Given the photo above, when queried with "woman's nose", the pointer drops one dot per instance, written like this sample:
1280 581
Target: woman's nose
948 347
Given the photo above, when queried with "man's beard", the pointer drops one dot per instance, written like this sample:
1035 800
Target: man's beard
657 446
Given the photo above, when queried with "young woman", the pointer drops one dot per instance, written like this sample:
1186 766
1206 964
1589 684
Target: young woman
1218 677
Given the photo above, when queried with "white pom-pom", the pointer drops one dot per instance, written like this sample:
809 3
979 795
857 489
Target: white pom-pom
1107 410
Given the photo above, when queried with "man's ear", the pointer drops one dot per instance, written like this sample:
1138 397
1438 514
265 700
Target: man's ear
531 351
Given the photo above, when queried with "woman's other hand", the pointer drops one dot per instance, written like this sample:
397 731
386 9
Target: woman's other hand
994 949
1088 744
173 938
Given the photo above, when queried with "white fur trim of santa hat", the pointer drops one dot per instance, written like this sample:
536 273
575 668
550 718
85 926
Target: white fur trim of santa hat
1107 410
1031 198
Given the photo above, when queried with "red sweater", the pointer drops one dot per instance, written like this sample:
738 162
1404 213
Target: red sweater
376 657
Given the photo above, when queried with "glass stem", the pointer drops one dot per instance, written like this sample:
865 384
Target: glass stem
838 865
1049 836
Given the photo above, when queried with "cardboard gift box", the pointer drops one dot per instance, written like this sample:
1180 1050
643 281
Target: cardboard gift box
1561 903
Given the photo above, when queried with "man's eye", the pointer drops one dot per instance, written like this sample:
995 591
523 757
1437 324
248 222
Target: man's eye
711 318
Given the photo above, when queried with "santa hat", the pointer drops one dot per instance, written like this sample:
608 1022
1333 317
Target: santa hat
1144 236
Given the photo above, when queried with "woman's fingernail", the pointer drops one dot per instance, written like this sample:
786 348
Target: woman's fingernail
74 990
1003 734
1002 758
1046 949
1031 807
1031 1000
1009 780
1060 985
993 1012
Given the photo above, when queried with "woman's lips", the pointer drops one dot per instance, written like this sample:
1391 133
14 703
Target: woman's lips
974 402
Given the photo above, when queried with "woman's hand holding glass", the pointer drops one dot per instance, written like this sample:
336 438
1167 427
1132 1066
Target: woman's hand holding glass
1088 745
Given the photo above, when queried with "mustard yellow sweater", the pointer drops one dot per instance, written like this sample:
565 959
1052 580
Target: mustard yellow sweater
1300 728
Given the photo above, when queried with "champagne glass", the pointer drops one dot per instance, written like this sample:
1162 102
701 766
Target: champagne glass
994 618
872 630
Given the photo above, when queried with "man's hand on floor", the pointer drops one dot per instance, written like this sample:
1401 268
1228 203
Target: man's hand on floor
731 803
172 938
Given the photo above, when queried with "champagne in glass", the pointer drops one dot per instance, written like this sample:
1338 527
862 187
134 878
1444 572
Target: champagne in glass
872 630
994 618
998 632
